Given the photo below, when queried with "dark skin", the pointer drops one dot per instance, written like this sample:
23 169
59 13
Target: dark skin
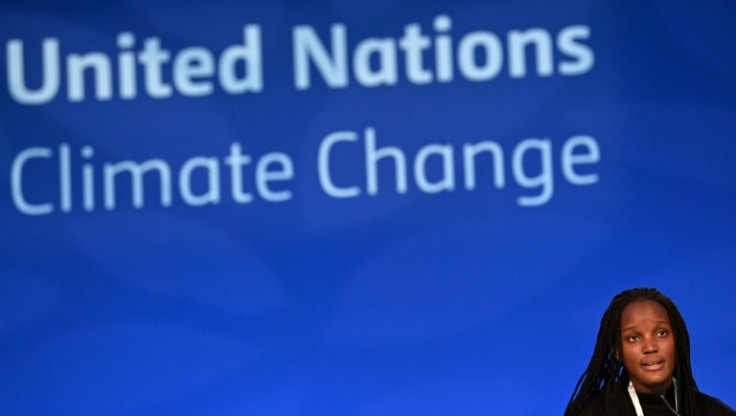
647 345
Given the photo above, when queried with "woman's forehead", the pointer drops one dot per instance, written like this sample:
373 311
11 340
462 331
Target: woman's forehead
642 310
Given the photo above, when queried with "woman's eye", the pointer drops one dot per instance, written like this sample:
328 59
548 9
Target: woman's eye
662 332
632 338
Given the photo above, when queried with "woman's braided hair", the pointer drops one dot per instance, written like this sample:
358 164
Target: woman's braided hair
606 371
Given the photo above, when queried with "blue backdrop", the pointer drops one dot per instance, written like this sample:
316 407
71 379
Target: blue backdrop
355 208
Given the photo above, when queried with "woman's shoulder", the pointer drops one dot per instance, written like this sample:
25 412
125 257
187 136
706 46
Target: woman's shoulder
593 408
713 407
610 403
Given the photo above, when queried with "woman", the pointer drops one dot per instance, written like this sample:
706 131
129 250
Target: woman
641 363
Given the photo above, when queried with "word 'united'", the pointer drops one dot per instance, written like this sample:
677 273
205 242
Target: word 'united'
196 71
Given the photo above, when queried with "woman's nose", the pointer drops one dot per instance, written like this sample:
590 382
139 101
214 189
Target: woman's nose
650 346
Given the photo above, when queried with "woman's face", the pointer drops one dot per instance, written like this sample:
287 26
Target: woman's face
647 345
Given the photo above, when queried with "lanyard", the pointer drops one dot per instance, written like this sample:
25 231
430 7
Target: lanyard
637 405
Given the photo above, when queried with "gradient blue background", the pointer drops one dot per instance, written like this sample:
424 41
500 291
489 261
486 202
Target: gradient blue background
459 303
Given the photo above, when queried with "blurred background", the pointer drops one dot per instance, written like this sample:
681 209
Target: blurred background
253 290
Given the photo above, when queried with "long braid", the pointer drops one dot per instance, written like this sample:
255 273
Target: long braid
605 370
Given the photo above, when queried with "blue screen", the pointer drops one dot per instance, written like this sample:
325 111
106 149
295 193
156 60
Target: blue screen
355 208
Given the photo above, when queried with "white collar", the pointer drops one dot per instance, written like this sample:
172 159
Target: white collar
637 405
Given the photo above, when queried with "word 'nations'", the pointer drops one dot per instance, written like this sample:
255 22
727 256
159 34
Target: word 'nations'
81 182
417 57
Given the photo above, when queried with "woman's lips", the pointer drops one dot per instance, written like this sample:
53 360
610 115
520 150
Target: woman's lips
653 365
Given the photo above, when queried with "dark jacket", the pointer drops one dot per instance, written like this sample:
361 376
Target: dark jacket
619 404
